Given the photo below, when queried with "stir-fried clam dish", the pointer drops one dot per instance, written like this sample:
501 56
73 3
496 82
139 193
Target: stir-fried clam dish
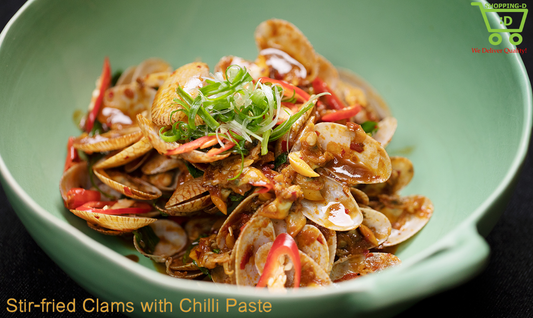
269 173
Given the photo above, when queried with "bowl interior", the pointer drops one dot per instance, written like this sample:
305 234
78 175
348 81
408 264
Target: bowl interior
461 115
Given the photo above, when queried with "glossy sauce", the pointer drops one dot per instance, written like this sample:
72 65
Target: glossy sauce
349 171
336 214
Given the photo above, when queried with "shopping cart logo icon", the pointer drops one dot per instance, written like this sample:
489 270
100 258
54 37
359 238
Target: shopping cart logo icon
495 37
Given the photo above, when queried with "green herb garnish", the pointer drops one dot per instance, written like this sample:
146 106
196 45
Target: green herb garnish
234 106
370 127
115 77
281 159
146 239
236 198
195 173
97 129
203 270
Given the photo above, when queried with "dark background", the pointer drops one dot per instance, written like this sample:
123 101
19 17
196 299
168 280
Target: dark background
503 289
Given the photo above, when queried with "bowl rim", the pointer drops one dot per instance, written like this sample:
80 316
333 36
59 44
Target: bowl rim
361 284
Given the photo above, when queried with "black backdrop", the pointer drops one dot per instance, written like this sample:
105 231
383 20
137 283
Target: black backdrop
503 289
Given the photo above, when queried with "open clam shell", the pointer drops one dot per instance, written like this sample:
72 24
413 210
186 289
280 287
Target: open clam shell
172 239
331 240
158 163
151 131
218 274
127 155
338 211
312 274
199 225
175 268
401 175
76 176
189 77
136 163
284 36
111 140
129 186
407 215
256 232
190 196
114 222
373 102
229 231
358 157
360 197
378 223
313 243
362 264
150 66
104 231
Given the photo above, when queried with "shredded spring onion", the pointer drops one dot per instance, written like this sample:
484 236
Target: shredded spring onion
233 105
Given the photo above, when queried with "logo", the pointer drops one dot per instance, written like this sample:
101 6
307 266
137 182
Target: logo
495 38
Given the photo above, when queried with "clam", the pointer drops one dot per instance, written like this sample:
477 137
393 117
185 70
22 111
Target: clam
312 274
362 264
360 197
378 223
123 102
126 76
127 155
103 230
172 239
256 232
114 222
401 175
313 243
76 176
189 77
199 226
338 211
164 181
190 196
229 231
111 140
373 232
137 162
131 187
331 241
408 215
181 271
357 157
148 67
158 163
284 36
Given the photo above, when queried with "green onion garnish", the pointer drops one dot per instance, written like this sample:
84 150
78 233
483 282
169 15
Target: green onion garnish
235 107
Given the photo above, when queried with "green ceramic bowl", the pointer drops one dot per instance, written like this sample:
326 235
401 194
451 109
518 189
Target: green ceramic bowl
464 120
